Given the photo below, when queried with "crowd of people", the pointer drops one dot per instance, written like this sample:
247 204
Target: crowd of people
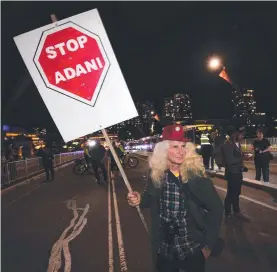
212 151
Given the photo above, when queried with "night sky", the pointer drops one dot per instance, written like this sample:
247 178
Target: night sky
162 48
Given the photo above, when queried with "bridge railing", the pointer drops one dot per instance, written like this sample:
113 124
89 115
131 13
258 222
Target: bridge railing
17 170
247 144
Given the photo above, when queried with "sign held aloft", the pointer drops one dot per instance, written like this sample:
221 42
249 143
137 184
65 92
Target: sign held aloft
76 72
72 61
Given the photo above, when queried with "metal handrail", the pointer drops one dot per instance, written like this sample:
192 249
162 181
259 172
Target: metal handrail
16 170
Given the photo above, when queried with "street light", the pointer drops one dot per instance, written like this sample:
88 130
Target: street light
214 63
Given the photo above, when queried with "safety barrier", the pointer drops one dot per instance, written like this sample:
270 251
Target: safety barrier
17 170
247 144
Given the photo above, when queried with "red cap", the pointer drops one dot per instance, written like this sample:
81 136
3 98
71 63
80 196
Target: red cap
174 133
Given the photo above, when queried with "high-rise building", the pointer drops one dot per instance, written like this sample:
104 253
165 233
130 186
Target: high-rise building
168 107
241 112
134 121
259 119
249 101
145 120
116 128
183 107
249 110
41 131
146 112
178 107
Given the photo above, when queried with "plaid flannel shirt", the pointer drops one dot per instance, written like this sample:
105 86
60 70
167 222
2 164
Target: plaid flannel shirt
173 212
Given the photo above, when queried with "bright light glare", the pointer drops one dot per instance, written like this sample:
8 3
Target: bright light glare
91 143
214 63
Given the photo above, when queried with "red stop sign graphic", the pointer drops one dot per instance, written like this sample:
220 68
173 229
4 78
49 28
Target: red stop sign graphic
72 61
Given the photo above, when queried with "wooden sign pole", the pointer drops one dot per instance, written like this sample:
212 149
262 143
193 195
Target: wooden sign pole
119 165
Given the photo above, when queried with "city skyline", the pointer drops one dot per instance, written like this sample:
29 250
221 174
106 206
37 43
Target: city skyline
178 107
247 103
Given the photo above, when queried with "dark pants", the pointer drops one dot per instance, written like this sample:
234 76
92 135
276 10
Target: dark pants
206 160
48 168
193 263
114 166
262 167
206 151
212 162
87 159
234 182
99 164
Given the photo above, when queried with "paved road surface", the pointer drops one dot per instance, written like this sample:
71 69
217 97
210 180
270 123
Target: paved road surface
35 215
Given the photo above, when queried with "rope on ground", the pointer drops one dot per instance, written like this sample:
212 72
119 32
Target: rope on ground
55 261
76 231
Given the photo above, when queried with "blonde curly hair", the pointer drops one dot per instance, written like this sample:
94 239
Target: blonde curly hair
158 163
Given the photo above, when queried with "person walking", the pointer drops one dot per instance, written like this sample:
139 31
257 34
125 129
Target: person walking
47 162
119 155
176 190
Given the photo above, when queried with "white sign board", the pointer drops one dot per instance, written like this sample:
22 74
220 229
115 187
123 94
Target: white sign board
76 72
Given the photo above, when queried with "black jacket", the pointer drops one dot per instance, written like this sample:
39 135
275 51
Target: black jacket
47 157
233 157
205 226
97 153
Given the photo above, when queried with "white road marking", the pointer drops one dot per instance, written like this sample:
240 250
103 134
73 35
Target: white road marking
122 256
250 199
76 231
110 235
55 260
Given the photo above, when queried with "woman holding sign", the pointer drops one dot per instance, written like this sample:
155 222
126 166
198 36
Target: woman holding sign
179 196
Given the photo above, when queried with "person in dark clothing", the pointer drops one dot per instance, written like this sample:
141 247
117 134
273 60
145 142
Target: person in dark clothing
181 237
218 141
261 156
86 153
97 154
206 150
119 154
234 168
39 155
47 163
211 141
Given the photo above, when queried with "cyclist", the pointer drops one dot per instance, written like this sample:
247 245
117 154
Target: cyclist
86 154
122 152
119 154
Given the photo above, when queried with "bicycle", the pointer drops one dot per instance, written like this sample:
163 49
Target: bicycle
81 168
